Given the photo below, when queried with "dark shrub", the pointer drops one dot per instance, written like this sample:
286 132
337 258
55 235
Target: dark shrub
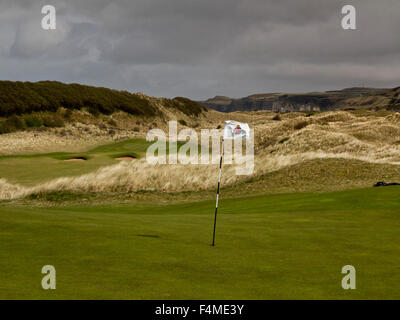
28 97
12 124
284 140
300 125
185 105
33 121
277 117
94 111
53 121
68 114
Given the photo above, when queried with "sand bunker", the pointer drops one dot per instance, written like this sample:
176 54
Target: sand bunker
129 158
75 159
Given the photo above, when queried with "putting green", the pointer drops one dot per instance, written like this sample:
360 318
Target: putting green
268 247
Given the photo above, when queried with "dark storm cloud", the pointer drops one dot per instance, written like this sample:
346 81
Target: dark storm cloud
202 48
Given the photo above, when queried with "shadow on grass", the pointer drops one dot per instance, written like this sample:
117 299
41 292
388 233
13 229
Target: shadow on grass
148 236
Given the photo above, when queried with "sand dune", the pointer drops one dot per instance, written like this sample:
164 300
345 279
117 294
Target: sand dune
279 144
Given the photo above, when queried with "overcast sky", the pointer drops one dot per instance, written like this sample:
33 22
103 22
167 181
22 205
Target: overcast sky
203 48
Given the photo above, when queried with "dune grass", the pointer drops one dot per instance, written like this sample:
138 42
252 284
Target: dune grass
282 246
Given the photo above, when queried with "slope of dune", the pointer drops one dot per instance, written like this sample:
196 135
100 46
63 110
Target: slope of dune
297 145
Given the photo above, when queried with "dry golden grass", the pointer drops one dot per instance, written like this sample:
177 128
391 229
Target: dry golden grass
85 131
75 137
338 138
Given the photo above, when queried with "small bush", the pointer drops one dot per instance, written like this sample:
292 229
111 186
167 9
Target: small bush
94 111
300 125
284 140
277 117
309 113
185 105
12 124
68 114
53 121
33 121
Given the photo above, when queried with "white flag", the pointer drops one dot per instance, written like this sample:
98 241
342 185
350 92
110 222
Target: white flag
236 130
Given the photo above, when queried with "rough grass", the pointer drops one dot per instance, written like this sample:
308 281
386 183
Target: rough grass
339 139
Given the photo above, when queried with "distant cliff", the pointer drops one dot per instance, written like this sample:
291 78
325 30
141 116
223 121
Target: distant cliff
350 98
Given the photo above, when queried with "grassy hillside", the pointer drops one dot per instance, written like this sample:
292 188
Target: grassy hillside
27 97
325 151
268 247
21 101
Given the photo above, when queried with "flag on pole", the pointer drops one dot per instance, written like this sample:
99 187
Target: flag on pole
232 130
236 130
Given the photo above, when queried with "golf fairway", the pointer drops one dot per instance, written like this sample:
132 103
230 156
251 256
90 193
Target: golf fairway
290 246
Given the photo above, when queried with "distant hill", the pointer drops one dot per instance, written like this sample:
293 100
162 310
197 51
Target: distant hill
43 104
349 98
17 98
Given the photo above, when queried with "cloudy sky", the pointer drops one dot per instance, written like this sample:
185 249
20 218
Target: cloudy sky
203 48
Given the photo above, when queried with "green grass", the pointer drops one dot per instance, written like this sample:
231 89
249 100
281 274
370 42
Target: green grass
32 169
289 246
138 145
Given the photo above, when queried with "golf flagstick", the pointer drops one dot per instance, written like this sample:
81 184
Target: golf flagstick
232 130
219 183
